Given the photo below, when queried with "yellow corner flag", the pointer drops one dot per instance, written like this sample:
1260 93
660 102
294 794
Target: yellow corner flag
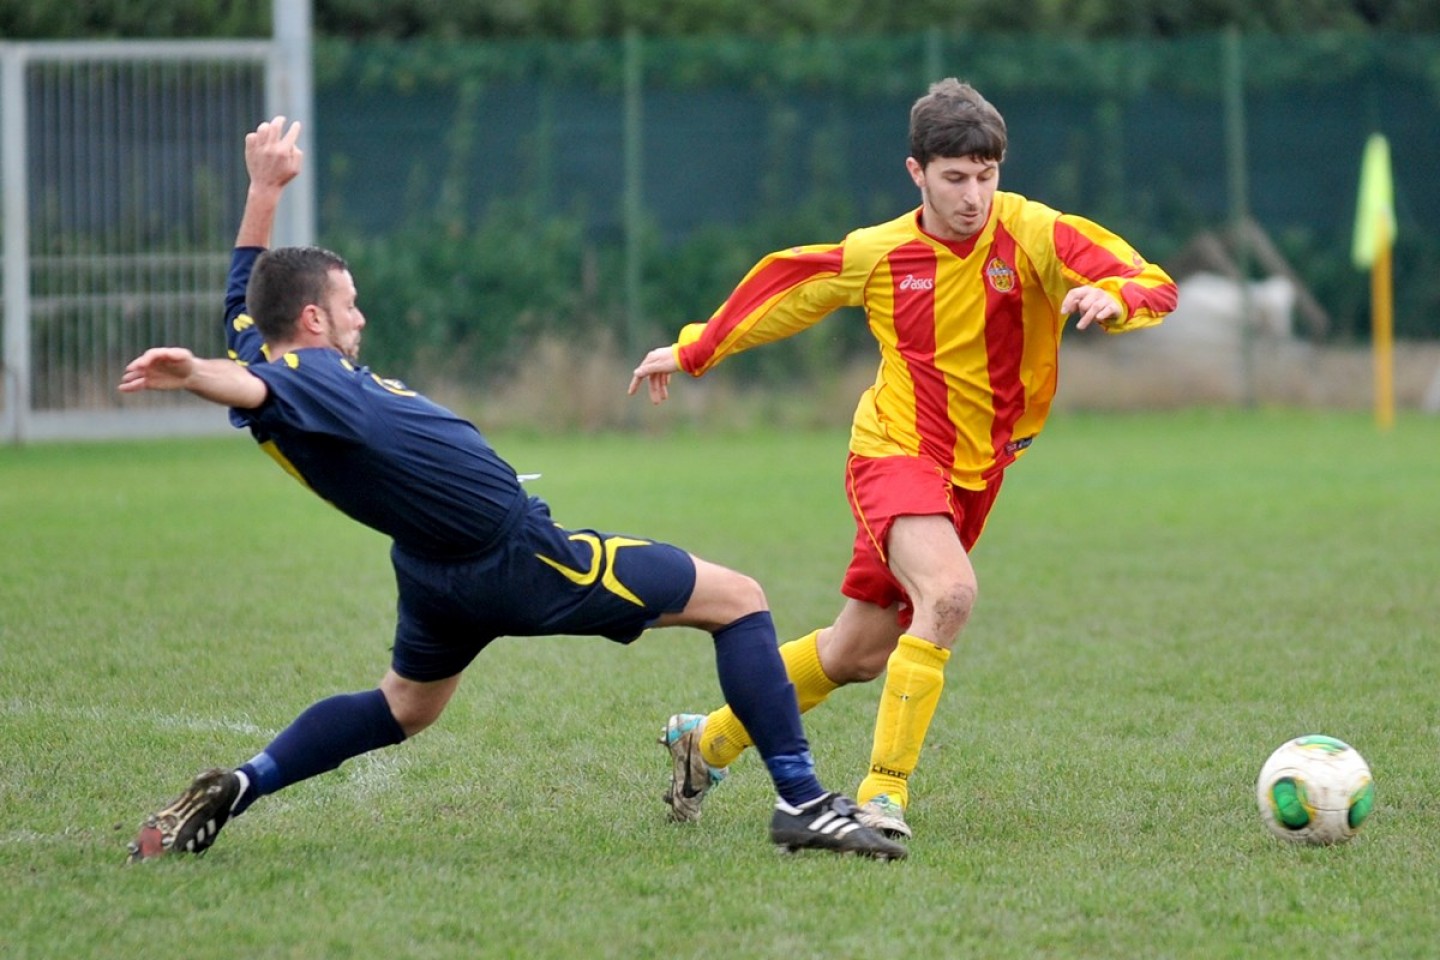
1375 206
1374 238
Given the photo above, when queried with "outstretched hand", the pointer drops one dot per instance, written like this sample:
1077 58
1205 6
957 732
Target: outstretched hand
271 156
159 368
1092 304
221 381
656 368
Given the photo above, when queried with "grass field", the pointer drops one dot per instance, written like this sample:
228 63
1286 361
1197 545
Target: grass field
1164 599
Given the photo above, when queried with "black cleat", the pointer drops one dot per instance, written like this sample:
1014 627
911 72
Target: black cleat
193 821
830 824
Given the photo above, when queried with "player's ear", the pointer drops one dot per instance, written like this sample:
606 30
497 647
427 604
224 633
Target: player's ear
311 320
916 171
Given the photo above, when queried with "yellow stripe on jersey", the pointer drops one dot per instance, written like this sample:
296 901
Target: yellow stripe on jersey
969 333
274 452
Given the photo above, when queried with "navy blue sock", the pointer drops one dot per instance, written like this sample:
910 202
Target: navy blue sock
752 677
326 735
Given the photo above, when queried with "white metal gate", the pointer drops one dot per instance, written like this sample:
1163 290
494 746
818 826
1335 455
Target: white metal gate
122 178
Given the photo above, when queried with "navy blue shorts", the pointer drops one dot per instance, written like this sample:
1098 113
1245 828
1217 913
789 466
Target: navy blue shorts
542 580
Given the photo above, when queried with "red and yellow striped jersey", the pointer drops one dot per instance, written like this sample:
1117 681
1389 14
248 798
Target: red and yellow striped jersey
969 332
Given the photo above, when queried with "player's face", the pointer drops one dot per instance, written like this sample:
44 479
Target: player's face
956 193
342 318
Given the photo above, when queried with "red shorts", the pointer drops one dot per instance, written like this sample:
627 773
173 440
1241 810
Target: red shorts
883 488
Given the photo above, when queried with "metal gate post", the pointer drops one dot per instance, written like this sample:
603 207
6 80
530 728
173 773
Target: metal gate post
15 211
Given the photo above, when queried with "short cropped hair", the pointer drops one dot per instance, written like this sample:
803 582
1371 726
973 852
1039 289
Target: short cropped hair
284 282
953 120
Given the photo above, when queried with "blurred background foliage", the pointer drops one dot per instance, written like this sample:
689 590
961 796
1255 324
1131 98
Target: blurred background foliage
473 160
500 213
585 19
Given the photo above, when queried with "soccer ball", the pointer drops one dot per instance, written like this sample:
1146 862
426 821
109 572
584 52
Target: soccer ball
1316 790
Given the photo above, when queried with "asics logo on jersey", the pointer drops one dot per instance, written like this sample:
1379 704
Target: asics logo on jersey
912 282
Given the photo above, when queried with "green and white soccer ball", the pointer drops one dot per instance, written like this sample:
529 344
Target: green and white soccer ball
1316 790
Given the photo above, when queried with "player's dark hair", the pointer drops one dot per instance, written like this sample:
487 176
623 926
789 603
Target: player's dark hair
284 282
953 120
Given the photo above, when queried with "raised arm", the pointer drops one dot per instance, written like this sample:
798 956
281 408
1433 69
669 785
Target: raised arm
272 160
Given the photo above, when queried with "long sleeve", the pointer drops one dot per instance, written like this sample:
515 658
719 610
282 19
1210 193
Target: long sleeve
783 294
241 338
1088 254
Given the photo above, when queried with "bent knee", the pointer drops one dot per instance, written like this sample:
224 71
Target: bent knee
959 598
749 596
416 706
414 717
950 604
725 595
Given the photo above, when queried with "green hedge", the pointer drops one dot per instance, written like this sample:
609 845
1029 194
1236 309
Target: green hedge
582 19
451 168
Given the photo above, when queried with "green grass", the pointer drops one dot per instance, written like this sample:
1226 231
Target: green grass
1164 599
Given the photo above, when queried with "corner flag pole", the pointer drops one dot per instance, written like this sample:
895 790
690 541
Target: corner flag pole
1374 242
1382 312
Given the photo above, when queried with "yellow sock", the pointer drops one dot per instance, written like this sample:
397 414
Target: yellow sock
914 677
725 737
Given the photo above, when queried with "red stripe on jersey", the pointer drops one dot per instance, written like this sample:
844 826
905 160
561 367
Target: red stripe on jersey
1088 258
912 272
773 279
1160 299
777 277
1004 342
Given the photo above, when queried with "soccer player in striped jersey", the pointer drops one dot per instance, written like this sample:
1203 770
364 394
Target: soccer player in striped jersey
475 558
966 297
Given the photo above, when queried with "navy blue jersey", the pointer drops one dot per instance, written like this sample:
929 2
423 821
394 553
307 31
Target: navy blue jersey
383 454
475 558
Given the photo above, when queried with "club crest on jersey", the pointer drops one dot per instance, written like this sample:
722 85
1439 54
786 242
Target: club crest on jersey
394 386
1000 275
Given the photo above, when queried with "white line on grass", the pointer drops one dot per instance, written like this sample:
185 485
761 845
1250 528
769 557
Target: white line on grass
114 715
